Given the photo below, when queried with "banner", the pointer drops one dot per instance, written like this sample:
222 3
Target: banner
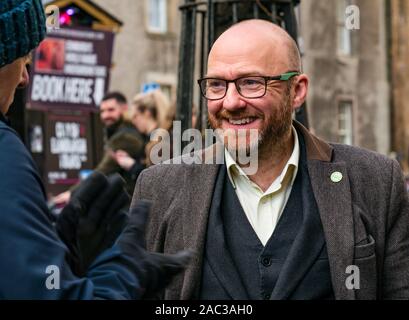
68 149
71 69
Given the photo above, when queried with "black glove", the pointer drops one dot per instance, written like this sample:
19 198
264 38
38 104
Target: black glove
93 219
155 270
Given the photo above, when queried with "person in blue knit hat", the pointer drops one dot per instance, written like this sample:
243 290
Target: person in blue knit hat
84 253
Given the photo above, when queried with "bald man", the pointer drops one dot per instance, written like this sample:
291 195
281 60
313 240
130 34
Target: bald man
314 221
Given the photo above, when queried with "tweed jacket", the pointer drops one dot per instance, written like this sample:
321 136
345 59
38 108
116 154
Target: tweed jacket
365 217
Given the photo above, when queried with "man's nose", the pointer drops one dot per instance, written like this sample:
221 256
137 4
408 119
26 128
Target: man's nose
233 100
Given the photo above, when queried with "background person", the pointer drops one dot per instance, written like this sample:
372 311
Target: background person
149 111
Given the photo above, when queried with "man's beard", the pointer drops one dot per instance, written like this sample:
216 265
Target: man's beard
113 127
113 122
271 135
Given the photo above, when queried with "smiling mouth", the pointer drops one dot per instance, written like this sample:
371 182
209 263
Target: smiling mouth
241 121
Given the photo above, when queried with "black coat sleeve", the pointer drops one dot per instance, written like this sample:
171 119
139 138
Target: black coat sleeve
32 257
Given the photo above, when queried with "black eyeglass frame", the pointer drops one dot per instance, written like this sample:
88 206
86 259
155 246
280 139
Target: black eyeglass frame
282 77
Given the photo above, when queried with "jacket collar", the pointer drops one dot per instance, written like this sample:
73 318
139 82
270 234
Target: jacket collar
317 149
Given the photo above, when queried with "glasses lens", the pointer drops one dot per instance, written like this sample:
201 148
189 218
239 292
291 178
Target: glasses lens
213 88
252 87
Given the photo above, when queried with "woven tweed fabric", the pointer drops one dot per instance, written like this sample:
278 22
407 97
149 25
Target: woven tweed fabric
22 28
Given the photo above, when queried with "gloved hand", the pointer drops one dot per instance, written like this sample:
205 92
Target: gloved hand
93 219
155 270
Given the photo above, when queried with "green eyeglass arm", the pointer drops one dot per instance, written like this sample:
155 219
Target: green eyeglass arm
287 76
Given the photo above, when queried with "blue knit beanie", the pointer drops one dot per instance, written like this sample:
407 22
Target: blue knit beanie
22 28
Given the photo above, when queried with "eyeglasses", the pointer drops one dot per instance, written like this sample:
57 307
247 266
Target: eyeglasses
251 87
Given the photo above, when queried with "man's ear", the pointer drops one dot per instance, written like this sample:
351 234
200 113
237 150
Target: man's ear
300 91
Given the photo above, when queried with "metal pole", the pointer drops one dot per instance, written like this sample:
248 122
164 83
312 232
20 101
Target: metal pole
235 13
255 10
202 70
186 68
291 26
210 23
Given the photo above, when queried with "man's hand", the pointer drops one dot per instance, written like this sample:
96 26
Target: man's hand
155 270
93 219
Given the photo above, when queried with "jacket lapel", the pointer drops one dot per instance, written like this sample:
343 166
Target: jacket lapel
307 245
195 206
335 207
217 253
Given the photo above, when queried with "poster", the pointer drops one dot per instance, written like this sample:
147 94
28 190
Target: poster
71 69
68 149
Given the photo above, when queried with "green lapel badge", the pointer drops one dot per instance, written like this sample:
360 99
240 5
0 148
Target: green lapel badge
336 177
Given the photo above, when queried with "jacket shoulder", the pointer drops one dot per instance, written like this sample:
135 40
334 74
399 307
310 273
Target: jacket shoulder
162 175
360 157
173 178
368 171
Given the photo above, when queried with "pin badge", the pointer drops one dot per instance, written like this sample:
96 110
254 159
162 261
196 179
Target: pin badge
336 177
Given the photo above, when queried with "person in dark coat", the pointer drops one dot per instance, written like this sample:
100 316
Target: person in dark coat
45 259
119 134
151 113
113 114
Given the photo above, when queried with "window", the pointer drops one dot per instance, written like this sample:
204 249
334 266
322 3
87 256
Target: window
345 120
165 81
167 90
157 16
343 34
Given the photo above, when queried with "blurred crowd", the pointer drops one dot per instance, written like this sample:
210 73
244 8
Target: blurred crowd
129 134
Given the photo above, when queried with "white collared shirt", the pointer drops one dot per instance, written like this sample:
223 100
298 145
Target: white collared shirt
264 209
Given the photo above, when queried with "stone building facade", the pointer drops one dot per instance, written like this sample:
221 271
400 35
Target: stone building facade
146 48
349 99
